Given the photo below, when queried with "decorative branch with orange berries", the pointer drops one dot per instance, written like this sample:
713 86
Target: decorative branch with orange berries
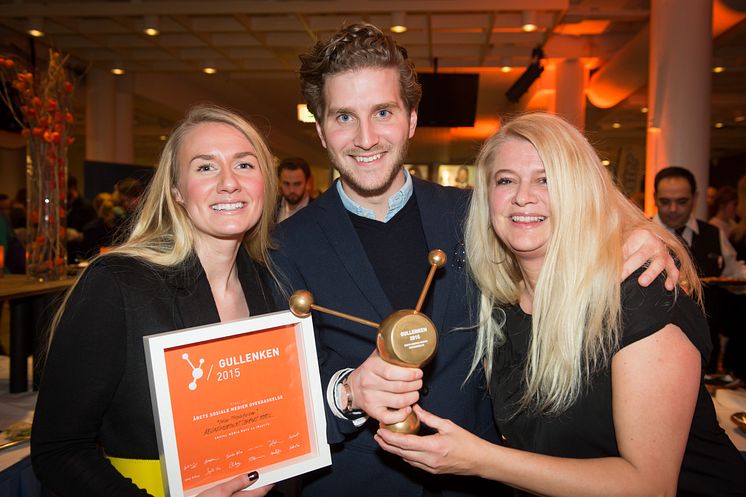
45 105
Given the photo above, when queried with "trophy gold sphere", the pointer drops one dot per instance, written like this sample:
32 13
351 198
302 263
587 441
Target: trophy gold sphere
301 302
437 258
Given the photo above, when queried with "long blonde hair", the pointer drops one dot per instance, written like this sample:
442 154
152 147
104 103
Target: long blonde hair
576 306
161 232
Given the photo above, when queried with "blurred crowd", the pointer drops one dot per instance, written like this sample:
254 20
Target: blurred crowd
91 226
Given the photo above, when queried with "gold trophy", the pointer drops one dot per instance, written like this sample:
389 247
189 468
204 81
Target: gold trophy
406 338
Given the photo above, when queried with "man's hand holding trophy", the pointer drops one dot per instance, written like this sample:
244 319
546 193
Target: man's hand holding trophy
406 338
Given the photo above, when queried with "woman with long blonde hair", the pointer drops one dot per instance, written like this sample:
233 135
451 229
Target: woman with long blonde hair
196 255
597 387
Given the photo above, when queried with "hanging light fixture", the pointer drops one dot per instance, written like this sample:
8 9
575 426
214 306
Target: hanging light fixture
529 21
36 27
398 22
150 27
505 65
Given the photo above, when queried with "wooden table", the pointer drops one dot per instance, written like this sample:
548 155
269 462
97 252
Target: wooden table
723 281
29 304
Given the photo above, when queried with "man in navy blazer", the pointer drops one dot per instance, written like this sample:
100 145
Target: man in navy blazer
361 248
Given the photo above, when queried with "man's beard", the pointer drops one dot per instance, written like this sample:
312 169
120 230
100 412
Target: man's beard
293 199
363 190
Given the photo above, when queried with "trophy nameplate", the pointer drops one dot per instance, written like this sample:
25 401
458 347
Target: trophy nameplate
406 338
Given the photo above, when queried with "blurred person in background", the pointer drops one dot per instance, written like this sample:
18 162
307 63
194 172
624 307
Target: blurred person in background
294 176
738 234
713 255
726 207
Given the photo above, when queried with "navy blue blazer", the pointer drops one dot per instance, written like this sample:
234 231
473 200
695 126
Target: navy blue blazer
319 250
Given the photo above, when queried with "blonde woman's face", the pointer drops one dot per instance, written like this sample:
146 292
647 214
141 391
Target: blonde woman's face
519 200
220 182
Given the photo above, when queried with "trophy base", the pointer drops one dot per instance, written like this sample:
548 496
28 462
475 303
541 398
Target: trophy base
410 425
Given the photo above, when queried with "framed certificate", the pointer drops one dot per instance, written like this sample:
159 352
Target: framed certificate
236 397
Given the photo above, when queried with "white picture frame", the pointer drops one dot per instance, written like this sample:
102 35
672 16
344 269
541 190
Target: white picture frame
231 414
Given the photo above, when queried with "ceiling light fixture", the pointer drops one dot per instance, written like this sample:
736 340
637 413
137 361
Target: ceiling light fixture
505 65
118 71
644 110
36 27
528 18
150 27
718 69
209 67
398 22
616 125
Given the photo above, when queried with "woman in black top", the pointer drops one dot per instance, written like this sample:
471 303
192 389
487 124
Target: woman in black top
596 387
197 254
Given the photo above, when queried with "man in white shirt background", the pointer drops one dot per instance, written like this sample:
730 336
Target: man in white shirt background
675 198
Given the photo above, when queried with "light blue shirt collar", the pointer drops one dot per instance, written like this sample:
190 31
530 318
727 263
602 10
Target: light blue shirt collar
396 201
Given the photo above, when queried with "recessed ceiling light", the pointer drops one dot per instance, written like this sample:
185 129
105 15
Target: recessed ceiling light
616 125
209 70
644 110
505 64
36 27
398 22
718 69
719 125
117 70
529 21
150 27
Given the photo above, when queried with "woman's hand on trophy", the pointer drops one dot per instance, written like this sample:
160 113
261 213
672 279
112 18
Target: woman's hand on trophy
384 391
452 450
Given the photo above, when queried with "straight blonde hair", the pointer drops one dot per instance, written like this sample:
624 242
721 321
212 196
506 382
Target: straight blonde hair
576 307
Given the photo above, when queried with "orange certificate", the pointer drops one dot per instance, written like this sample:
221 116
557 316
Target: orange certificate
237 397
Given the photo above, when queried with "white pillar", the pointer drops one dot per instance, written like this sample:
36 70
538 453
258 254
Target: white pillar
99 116
679 92
124 117
572 78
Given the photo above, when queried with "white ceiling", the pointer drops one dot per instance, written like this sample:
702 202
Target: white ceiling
254 44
